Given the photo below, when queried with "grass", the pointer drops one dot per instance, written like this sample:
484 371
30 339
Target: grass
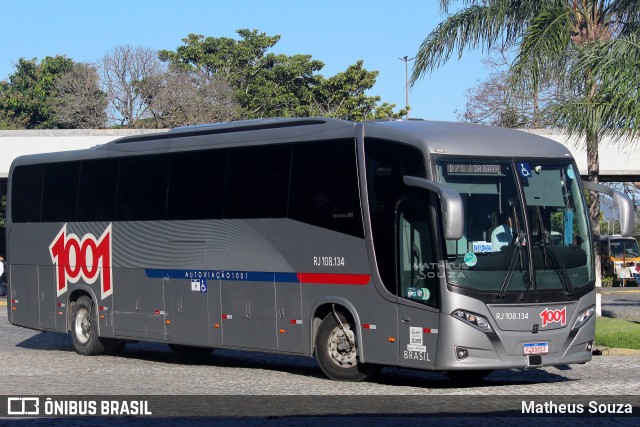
617 333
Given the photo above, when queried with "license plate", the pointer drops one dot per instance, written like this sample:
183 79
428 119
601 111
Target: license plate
536 348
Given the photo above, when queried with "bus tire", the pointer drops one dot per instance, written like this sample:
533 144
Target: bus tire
337 358
84 331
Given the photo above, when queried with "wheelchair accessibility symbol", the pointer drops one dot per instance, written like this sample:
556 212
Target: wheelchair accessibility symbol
199 285
525 170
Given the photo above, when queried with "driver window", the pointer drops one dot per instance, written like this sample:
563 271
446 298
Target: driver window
418 269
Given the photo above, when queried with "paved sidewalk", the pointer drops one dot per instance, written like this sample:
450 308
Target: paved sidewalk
621 303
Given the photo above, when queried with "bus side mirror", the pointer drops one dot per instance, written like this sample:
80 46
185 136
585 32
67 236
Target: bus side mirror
451 202
625 205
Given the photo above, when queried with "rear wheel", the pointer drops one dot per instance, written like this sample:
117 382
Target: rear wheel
84 331
337 351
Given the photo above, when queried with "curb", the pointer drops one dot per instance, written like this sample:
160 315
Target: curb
618 291
606 351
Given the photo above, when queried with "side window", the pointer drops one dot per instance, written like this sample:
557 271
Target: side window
258 182
26 193
97 191
417 267
387 163
196 188
142 188
60 191
324 186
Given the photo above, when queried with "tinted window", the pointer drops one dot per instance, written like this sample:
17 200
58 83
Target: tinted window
324 186
387 163
97 192
258 182
60 191
196 190
142 188
26 193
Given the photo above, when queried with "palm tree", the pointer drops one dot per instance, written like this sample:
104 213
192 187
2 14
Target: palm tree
589 45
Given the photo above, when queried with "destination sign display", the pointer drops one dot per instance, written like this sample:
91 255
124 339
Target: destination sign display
474 169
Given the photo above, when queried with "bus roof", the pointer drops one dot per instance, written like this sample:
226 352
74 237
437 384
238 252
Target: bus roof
456 138
433 137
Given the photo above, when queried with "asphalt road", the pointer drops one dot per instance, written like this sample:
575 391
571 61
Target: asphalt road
37 363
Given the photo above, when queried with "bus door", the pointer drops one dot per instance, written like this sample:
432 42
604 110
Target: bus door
417 271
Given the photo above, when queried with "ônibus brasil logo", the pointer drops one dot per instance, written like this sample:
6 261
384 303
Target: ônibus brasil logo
85 258
554 316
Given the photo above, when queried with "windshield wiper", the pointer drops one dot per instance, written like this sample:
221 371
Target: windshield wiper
563 272
519 242
517 254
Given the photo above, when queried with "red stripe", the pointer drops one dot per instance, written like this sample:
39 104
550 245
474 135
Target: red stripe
334 279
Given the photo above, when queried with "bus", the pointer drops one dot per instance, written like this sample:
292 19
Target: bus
620 255
360 244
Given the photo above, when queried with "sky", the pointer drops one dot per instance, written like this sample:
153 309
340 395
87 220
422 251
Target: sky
338 33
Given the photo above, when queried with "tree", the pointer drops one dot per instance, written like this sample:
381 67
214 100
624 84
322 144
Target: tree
552 37
26 99
180 97
491 103
267 84
496 102
239 61
123 70
78 102
343 96
282 87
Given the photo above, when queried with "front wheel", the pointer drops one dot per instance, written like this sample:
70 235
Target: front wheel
84 330
337 350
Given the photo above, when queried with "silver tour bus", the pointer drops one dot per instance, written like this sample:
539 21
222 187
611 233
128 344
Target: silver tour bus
429 245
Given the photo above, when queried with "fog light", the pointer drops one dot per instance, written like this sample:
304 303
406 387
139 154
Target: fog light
589 346
461 353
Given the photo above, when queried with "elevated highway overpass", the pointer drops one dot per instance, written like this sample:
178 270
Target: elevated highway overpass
619 161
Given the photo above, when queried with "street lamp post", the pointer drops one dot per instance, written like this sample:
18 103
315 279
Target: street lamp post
406 60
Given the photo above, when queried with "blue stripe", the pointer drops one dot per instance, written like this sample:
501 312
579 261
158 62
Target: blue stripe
243 276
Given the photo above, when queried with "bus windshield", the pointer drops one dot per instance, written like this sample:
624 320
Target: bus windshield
525 227
624 248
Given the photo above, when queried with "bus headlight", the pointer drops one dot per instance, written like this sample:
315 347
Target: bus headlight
475 320
583 316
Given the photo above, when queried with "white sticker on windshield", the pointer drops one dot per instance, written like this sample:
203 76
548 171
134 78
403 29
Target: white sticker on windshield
470 259
481 247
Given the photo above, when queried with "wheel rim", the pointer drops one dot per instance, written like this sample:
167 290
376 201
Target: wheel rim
342 353
82 326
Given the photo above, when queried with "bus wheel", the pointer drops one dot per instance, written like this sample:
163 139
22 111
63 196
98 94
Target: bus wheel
468 376
337 351
84 331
